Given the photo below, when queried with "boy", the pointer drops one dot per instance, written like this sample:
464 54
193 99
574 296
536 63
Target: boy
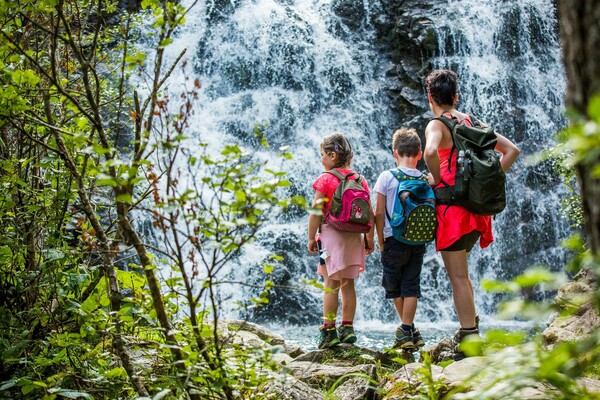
401 262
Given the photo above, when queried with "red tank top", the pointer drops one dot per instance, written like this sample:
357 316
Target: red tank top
454 221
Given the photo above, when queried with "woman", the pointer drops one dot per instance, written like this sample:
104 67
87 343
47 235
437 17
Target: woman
458 229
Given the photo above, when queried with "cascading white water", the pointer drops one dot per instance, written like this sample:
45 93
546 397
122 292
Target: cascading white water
312 67
307 72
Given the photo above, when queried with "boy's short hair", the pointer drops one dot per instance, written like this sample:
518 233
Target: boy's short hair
406 142
442 85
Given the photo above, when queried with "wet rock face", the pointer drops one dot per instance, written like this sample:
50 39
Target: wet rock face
351 12
407 35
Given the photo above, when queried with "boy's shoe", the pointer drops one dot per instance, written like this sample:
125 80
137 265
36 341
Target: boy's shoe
418 339
404 340
346 333
459 336
329 338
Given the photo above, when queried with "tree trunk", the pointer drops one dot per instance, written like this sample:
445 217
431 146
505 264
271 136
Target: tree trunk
580 38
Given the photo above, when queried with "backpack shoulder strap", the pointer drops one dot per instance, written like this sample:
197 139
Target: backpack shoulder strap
449 122
339 175
477 122
401 176
396 173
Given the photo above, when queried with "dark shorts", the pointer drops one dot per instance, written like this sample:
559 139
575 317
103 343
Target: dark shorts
401 269
465 242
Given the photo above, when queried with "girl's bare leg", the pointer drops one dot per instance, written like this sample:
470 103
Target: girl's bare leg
330 299
348 299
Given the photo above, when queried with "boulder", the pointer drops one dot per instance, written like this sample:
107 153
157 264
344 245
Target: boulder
356 388
349 355
260 331
324 377
407 382
290 388
576 300
440 351
571 328
249 334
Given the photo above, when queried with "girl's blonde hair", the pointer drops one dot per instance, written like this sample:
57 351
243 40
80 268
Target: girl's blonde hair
338 143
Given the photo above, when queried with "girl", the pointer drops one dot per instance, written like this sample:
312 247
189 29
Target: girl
342 254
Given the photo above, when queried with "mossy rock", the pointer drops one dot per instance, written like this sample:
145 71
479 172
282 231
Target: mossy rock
350 355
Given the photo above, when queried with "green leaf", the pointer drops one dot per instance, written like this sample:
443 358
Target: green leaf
162 394
5 254
106 180
118 372
23 77
124 198
593 108
8 384
53 254
104 301
71 394
240 195
535 276
501 337
28 389
165 42
268 268
399 360
472 345
499 286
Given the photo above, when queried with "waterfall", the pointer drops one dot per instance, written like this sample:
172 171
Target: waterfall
312 67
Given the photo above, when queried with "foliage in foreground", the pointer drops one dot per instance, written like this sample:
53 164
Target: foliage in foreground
91 306
83 158
530 362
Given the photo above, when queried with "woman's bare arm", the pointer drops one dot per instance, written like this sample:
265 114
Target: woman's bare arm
509 151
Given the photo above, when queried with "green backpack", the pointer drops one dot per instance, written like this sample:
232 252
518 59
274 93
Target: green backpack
480 183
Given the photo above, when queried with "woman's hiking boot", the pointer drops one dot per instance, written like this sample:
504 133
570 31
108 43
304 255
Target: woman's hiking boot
329 338
458 338
418 339
404 340
346 333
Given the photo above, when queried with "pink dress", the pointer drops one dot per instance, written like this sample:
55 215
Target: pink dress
346 249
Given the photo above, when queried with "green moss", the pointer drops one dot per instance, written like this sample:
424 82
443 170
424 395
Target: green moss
401 390
592 370
347 356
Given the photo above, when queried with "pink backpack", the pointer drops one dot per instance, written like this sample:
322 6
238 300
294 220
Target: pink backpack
350 206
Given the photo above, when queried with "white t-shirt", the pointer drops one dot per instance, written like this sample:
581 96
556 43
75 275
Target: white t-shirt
387 184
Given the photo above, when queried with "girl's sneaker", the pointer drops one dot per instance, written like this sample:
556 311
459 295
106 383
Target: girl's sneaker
329 338
346 333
